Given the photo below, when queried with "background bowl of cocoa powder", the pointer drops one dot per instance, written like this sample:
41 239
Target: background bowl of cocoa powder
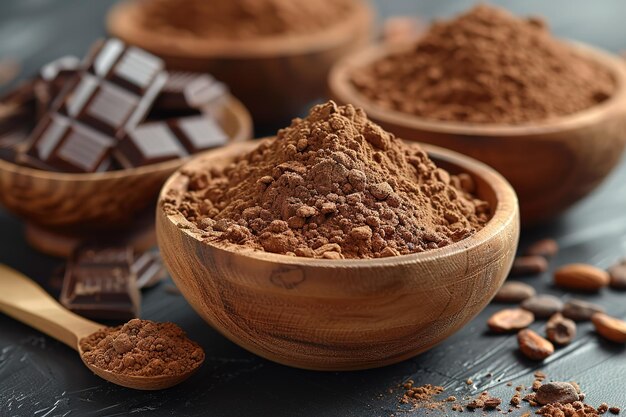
340 314
276 77
551 164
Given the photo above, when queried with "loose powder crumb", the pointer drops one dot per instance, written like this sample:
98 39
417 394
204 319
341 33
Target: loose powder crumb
142 348
333 185
486 66
242 19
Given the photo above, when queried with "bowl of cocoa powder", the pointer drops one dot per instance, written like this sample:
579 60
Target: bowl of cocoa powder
336 245
549 115
274 54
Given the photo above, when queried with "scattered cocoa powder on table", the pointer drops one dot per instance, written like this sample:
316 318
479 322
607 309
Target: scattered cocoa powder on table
486 66
242 19
333 185
142 348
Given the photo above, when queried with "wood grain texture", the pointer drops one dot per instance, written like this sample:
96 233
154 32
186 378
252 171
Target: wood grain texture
276 78
551 164
86 202
348 314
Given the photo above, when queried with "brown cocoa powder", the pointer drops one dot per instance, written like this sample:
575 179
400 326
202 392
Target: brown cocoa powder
242 19
486 66
142 348
333 185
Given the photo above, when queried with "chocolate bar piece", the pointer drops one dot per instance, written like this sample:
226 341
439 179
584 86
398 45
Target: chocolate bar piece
186 91
131 68
149 269
61 143
99 284
198 133
148 144
96 108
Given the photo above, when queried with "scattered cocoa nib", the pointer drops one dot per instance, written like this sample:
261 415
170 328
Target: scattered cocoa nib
514 292
545 247
475 404
528 265
556 392
533 346
543 305
492 403
536 385
576 409
603 408
614 410
510 320
560 330
516 400
579 310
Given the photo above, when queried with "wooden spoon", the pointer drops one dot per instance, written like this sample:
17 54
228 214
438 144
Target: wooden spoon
24 300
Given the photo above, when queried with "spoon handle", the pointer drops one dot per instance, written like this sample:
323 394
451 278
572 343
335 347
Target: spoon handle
24 300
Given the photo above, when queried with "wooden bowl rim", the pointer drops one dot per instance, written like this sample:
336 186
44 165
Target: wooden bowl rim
506 212
342 88
233 105
121 17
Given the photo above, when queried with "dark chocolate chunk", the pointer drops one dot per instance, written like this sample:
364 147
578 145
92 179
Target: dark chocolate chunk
96 108
131 68
58 143
103 106
99 284
198 133
149 269
148 144
189 90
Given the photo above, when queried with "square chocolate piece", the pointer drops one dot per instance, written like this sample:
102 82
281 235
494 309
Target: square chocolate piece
99 284
148 144
131 68
198 133
101 105
61 144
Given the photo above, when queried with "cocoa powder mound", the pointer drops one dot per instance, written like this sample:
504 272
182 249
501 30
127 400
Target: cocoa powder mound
333 185
142 348
242 19
486 66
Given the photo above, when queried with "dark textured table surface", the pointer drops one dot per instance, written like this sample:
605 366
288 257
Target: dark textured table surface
42 377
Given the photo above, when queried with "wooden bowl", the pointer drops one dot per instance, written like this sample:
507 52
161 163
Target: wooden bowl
551 164
98 201
275 77
341 314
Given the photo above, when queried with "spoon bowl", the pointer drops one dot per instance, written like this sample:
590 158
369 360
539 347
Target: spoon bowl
24 300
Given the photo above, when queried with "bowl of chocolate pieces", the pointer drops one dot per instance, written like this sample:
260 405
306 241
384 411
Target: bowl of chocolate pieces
274 54
86 145
547 114
336 245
